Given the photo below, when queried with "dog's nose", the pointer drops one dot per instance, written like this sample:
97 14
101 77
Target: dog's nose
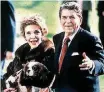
28 71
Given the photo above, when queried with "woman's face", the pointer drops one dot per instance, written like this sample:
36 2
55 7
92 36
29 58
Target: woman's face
33 35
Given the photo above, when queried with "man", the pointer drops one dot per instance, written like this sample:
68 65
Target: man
84 58
86 8
100 9
7 33
7 30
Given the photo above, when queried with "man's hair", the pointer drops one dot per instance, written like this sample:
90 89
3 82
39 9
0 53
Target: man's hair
64 1
70 6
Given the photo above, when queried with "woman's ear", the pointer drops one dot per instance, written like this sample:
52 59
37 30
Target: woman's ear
25 38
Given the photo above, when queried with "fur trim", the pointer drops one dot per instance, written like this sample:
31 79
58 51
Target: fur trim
24 50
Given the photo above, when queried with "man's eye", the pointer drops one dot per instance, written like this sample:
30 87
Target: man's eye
64 17
72 17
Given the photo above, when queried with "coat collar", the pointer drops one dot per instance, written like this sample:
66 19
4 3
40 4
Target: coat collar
23 53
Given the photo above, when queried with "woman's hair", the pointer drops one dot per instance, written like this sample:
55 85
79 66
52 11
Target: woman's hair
36 19
70 6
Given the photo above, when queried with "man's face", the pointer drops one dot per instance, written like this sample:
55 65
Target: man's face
70 21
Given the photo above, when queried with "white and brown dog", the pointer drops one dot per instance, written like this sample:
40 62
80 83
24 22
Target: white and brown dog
33 75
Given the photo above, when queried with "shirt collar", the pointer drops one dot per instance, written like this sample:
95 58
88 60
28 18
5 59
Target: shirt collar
71 36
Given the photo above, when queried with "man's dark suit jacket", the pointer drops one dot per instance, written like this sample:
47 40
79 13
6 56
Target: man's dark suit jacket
7 27
71 76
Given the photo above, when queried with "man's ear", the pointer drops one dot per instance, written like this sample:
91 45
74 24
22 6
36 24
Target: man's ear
81 19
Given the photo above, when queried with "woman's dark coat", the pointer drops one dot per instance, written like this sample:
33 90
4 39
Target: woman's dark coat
44 53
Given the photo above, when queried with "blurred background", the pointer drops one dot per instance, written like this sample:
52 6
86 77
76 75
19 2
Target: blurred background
49 10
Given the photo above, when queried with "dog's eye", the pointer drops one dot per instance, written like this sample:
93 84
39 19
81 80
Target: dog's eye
34 68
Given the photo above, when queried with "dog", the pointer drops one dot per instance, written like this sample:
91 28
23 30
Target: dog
34 75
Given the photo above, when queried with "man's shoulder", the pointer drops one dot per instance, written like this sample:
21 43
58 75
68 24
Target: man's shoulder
84 34
58 34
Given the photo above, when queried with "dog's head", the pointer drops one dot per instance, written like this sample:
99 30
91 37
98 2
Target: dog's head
35 74
35 69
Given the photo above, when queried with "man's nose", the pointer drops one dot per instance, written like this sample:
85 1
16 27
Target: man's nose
68 20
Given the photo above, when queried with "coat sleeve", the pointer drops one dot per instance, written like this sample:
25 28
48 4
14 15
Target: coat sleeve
48 59
99 58
12 68
100 7
93 47
8 25
94 50
11 28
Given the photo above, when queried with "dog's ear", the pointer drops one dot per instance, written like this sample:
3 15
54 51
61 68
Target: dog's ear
46 79
43 75
23 65
24 68
23 76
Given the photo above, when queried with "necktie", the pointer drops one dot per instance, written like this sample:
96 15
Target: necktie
63 52
44 90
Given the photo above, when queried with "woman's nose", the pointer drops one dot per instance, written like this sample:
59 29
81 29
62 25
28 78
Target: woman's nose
33 35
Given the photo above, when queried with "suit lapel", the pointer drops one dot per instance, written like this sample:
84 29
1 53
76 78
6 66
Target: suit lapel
73 47
74 44
58 43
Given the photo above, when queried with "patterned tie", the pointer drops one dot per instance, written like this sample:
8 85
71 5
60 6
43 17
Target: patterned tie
63 52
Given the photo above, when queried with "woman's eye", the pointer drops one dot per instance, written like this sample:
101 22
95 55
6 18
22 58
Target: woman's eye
28 33
36 32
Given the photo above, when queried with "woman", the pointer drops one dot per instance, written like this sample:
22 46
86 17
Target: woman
37 48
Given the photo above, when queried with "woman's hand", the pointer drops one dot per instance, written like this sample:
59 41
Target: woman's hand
9 55
10 90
